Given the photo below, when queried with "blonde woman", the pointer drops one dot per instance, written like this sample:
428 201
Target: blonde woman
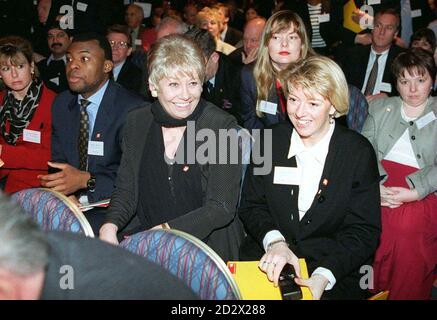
212 20
321 201
284 41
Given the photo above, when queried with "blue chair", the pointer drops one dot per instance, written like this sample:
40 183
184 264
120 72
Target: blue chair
189 259
53 211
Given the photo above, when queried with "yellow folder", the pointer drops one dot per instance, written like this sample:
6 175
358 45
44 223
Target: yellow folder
348 23
254 284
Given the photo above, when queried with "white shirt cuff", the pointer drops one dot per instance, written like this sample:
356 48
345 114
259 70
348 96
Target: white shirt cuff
328 275
272 236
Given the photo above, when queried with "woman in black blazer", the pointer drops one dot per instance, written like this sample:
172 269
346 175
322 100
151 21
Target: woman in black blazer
163 182
321 199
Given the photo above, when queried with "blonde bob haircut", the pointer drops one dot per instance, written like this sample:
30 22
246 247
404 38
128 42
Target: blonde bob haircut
264 72
319 74
173 56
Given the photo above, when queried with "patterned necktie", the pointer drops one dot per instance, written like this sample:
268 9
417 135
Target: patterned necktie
372 78
83 134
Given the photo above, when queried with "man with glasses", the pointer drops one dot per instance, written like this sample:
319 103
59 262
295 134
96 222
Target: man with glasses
125 72
52 69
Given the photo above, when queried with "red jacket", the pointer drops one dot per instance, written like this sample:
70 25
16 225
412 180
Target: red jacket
26 160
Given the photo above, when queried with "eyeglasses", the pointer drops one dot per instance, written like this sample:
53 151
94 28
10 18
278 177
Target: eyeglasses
120 44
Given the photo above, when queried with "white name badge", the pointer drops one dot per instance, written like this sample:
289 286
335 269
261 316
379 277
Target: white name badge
373 2
31 136
384 86
286 175
416 13
81 6
324 17
267 107
425 120
138 42
95 148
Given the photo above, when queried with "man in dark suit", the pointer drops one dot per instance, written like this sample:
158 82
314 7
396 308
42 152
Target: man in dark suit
52 69
134 17
125 72
87 124
368 67
222 77
67 266
228 34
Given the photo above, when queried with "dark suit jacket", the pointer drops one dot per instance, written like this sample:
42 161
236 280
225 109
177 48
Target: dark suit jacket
55 70
341 229
131 77
248 95
355 64
116 103
233 36
226 91
215 222
103 271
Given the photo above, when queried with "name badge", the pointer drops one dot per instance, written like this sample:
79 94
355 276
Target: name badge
324 17
95 148
373 2
138 42
384 86
81 6
425 120
287 176
267 107
31 136
416 13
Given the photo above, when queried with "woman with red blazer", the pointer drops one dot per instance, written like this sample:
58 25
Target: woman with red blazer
25 117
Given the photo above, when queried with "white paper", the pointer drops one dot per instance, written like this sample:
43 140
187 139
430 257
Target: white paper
267 107
287 175
385 87
31 136
372 2
324 17
138 42
416 13
81 6
96 148
425 120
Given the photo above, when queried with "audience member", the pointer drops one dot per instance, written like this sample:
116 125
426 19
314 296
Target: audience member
251 37
212 20
134 18
321 201
65 266
25 117
125 72
403 132
284 41
87 124
228 34
368 67
157 185
52 69
190 15
222 78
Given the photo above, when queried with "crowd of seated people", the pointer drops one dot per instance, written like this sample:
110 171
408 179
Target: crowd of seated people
97 99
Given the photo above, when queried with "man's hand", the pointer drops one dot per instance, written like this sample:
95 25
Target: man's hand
317 284
250 57
364 39
66 181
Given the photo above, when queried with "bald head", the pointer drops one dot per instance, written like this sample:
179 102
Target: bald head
252 34
134 16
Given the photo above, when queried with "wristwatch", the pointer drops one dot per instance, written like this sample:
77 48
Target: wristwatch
91 183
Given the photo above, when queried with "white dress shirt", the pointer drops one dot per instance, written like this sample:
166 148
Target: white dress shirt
382 61
310 163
